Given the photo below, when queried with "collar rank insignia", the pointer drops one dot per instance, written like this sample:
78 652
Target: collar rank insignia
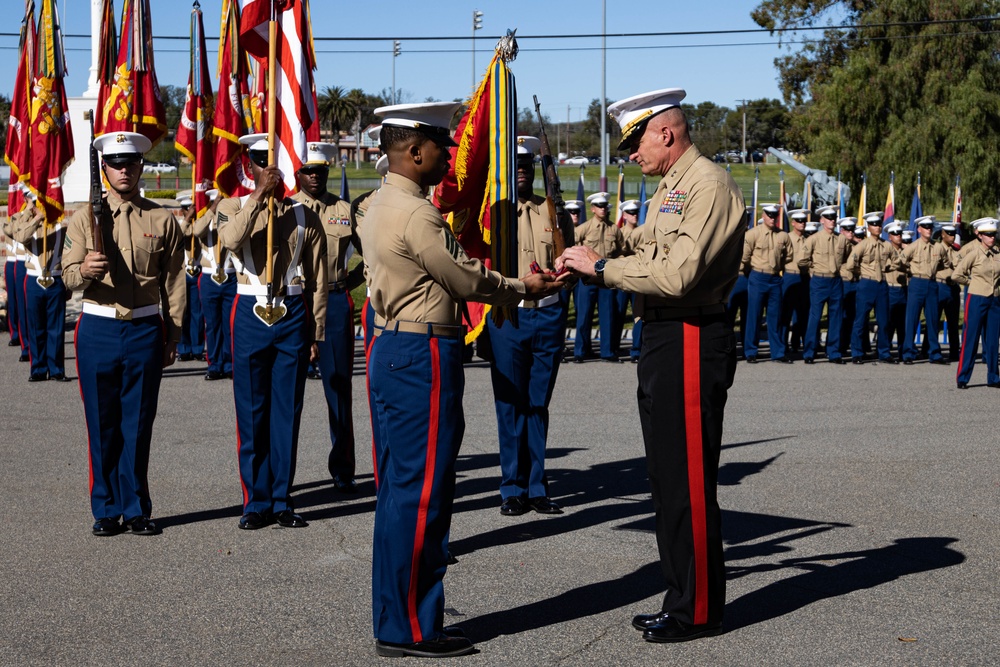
674 203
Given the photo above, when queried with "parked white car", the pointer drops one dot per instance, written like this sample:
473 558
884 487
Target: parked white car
580 159
159 168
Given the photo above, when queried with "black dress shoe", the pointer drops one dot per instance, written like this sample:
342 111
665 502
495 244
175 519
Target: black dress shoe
345 484
611 360
543 505
314 375
14 342
106 527
24 359
784 360
60 377
890 360
229 375
751 360
643 621
995 385
187 356
214 375
514 506
577 360
941 361
141 525
671 630
635 360
840 361
908 362
443 647
857 361
289 519
254 521
963 385
809 361
41 377
200 357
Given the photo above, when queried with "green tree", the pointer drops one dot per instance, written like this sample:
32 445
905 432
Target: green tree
905 98
768 123
708 126
338 110
4 114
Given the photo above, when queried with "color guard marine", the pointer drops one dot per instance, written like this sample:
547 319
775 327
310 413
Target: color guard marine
276 326
133 309
44 291
336 350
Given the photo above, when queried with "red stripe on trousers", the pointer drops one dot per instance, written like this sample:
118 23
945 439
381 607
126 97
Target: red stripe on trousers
425 493
232 349
367 344
696 467
90 458
965 336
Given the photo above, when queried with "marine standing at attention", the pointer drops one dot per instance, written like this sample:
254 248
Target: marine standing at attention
122 341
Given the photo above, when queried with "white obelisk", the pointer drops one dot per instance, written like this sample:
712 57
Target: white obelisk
76 181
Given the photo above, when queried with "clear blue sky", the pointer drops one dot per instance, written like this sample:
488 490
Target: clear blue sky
562 72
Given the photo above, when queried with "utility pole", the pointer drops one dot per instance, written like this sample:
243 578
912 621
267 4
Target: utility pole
477 24
743 103
395 54
604 95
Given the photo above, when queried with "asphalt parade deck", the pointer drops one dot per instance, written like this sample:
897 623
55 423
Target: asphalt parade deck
861 509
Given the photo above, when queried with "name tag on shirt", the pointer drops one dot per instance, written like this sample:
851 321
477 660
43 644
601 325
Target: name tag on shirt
674 203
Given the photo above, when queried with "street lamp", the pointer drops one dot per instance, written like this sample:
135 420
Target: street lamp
395 54
477 24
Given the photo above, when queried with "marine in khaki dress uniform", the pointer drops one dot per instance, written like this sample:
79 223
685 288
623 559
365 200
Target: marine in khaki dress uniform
526 357
766 251
418 275
336 351
795 285
868 262
44 291
923 259
895 278
133 310
217 287
602 235
688 261
270 358
825 254
980 270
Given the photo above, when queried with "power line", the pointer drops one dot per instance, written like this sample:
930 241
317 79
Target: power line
629 35
631 47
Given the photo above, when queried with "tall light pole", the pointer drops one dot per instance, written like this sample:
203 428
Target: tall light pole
477 24
395 54
604 95
743 103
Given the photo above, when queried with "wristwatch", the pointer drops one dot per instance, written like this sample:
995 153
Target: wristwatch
599 266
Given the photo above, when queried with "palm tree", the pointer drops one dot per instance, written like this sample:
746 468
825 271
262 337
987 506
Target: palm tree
338 110
357 97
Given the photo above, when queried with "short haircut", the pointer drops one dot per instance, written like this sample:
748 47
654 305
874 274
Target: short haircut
394 135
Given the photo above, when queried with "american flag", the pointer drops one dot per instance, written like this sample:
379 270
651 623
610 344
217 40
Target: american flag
233 110
296 114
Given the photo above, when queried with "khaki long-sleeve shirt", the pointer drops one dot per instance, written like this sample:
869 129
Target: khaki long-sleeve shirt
603 237
798 252
825 254
924 259
692 241
145 257
243 230
417 271
980 270
944 274
766 250
341 236
40 255
870 259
